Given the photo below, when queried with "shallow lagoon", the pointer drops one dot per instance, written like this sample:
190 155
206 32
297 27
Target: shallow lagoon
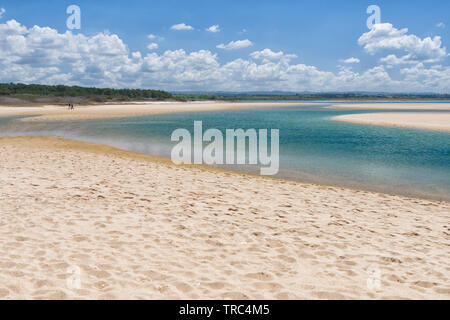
312 147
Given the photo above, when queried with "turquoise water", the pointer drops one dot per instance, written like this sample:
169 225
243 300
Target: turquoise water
312 147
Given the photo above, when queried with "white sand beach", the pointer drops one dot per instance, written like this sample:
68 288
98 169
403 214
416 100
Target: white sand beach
52 112
427 121
319 137
393 106
139 227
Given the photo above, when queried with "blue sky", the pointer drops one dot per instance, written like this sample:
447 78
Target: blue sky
321 34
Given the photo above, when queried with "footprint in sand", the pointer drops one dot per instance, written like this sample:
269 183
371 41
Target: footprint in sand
262 276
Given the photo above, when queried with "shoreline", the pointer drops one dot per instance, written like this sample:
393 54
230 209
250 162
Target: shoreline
91 112
47 112
423 121
394 105
56 113
426 121
52 112
60 142
127 220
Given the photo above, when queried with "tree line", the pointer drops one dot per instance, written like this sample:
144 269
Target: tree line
32 91
313 96
38 90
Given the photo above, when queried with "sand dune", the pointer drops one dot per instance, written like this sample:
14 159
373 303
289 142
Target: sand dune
138 227
427 121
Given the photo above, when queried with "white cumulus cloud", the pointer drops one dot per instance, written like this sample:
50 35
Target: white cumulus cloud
351 60
214 29
155 37
181 27
152 46
234 45
392 59
268 54
2 12
440 25
44 55
385 36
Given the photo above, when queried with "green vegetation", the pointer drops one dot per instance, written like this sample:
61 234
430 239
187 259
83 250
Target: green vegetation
313 96
194 97
61 94
33 91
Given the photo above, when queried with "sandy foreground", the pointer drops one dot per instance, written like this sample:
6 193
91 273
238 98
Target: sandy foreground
427 121
139 227
49 112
